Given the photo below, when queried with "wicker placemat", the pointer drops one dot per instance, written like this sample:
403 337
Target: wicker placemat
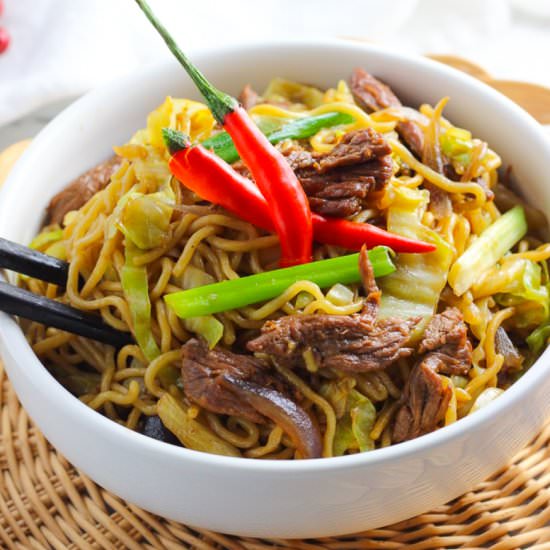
47 503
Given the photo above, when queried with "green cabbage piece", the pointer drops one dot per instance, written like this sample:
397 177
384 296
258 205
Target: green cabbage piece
526 287
136 290
457 144
46 237
355 415
206 326
537 340
487 249
145 219
414 288
280 90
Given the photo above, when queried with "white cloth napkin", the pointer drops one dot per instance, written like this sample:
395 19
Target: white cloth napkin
61 48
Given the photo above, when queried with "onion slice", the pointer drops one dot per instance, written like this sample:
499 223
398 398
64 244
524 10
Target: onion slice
283 411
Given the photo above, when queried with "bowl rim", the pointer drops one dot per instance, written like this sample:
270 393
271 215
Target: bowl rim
14 342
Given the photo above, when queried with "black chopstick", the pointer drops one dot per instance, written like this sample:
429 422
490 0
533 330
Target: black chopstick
20 302
21 259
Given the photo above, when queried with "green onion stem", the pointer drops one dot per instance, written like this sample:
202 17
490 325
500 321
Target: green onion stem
236 293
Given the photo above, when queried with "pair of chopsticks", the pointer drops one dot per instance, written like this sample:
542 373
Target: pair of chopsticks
20 302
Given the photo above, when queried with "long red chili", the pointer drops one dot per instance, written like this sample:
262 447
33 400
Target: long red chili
276 180
214 180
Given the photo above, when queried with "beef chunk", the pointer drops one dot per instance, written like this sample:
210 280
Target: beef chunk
355 148
248 98
336 183
370 93
425 401
366 176
373 95
203 371
82 190
446 341
335 208
354 343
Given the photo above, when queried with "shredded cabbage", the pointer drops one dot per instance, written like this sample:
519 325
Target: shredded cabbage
538 339
485 397
517 283
145 219
355 415
190 117
206 326
280 90
46 237
414 288
340 295
457 144
485 251
135 286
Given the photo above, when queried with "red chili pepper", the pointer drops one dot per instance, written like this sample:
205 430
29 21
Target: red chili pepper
202 171
210 177
278 183
4 40
353 236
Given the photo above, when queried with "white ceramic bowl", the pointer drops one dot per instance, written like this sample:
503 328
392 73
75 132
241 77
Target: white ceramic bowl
254 497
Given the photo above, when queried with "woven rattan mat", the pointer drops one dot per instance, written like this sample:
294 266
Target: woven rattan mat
47 503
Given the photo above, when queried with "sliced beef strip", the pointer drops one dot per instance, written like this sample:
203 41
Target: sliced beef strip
249 98
355 148
354 343
425 401
80 191
203 371
373 95
347 343
412 135
374 174
372 301
446 349
370 93
337 182
335 208
446 340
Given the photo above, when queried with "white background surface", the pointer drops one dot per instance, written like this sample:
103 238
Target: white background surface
61 48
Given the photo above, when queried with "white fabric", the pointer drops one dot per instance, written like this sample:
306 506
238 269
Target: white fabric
61 48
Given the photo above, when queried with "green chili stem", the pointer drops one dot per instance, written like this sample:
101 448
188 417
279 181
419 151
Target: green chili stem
236 293
219 102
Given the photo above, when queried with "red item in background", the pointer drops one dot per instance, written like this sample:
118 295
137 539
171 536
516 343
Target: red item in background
4 35
4 39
